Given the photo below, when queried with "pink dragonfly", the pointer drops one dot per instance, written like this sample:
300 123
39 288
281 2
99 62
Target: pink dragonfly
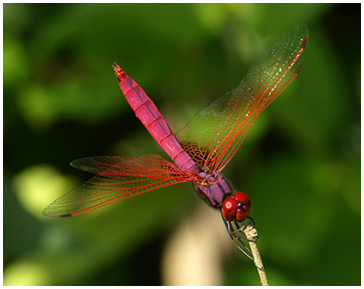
199 151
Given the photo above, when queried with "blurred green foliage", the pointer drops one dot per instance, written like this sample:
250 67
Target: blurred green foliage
300 164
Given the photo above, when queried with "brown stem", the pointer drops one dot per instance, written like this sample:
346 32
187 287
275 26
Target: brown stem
252 234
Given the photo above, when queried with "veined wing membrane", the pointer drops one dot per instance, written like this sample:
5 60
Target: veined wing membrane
117 178
214 135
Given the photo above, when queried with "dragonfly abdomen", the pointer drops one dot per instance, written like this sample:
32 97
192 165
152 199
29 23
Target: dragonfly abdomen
152 119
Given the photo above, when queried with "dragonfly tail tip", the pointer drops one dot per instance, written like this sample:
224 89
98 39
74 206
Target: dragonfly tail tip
118 70
115 66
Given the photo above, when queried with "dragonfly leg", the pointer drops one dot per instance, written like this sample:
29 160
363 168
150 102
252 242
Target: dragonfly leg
241 229
236 234
252 221
232 232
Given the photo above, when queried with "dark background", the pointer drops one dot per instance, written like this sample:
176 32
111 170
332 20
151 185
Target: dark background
300 164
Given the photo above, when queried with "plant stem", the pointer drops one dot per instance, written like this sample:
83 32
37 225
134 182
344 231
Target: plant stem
252 234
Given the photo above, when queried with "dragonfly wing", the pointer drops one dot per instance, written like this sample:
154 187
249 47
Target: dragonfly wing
117 178
215 134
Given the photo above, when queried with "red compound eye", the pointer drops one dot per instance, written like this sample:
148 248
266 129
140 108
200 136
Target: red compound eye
236 207
229 207
243 206
241 197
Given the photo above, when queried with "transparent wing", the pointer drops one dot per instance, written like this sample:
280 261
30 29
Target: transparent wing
118 178
215 134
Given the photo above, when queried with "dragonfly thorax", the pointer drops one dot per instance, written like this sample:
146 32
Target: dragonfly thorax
213 189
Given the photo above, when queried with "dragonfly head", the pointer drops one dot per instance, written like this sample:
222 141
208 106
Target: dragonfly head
236 207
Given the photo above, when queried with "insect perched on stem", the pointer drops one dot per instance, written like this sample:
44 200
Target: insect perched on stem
199 151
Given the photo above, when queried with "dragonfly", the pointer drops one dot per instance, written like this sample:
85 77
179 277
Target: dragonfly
199 151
